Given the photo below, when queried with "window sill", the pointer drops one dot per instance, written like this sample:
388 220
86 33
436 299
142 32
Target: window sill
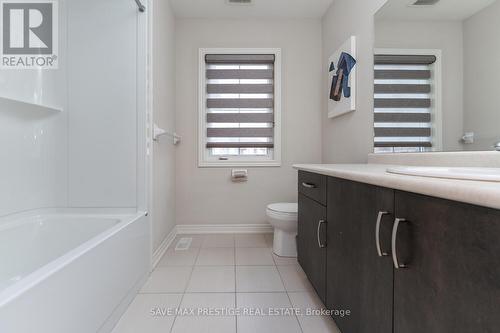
238 164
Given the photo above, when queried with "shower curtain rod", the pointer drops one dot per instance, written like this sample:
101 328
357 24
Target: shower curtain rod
142 8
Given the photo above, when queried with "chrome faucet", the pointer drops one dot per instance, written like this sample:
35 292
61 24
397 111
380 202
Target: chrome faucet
497 146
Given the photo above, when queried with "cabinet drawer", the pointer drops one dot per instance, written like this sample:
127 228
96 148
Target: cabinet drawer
313 185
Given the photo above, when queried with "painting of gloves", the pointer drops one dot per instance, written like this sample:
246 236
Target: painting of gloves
342 79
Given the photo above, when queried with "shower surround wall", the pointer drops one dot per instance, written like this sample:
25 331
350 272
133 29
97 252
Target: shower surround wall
33 159
86 154
33 140
102 103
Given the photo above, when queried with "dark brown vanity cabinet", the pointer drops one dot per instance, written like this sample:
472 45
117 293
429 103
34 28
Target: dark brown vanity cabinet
311 242
402 262
358 279
450 281
312 257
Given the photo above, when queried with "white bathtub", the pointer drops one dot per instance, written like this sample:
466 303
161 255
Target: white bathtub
70 270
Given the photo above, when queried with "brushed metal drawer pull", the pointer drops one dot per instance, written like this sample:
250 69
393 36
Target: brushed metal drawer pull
320 222
395 260
308 185
377 234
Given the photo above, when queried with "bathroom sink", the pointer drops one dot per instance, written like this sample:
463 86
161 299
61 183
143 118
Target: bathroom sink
483 174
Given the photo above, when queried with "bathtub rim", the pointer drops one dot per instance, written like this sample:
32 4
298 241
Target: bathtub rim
125 216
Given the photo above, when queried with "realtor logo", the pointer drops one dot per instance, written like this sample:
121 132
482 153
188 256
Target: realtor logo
29 36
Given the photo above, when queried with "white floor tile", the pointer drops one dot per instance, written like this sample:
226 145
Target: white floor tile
212 279
312 323
294 278
258 279
261 279
207 300
262 301
138 317
196 242
284 261
254 256
266 323
204 325
219 240
167 280
250 240
179 258
215 257
202 320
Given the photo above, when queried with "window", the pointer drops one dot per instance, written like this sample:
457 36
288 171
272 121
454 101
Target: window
406 101
239 106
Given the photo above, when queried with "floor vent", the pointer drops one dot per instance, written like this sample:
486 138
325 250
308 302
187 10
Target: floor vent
239 2
424 3
183 244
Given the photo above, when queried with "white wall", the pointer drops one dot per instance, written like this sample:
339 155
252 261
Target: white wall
85 155
206 195
446 36
482 73
33 141
349 138
163 72
33 159
102 101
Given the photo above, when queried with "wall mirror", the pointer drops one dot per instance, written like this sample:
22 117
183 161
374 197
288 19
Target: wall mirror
437 76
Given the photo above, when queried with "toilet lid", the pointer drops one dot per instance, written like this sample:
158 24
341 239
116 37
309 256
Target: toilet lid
284 207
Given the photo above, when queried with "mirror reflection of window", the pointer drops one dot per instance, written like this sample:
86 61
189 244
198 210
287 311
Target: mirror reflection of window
407 102
464 97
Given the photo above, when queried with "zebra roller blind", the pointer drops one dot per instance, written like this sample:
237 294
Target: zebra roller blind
240 102
403 102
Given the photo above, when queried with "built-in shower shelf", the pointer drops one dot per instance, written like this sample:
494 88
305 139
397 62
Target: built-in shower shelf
16 105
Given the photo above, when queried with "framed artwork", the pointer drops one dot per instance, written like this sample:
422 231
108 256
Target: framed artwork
342 79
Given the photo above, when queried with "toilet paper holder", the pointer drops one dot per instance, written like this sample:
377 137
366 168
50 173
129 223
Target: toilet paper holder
239 175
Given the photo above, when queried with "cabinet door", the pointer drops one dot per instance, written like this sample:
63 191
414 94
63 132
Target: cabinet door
358 279
452 279
311 256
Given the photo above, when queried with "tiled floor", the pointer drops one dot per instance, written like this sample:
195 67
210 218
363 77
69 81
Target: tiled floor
221 273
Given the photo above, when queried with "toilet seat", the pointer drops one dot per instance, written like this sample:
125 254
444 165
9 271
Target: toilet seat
284 217
284 208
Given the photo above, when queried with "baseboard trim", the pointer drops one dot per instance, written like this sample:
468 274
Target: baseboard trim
160 251
224 228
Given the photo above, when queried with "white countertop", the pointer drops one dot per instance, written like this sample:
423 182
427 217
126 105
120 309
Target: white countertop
480 193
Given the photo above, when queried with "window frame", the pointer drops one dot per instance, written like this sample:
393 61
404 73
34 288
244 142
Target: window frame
204 158
437 116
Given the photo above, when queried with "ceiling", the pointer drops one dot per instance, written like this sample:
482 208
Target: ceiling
259 9
443 10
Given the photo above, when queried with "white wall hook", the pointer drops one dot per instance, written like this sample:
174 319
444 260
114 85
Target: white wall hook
159 132
468 138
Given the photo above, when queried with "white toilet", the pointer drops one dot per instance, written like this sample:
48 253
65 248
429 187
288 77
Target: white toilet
283 217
